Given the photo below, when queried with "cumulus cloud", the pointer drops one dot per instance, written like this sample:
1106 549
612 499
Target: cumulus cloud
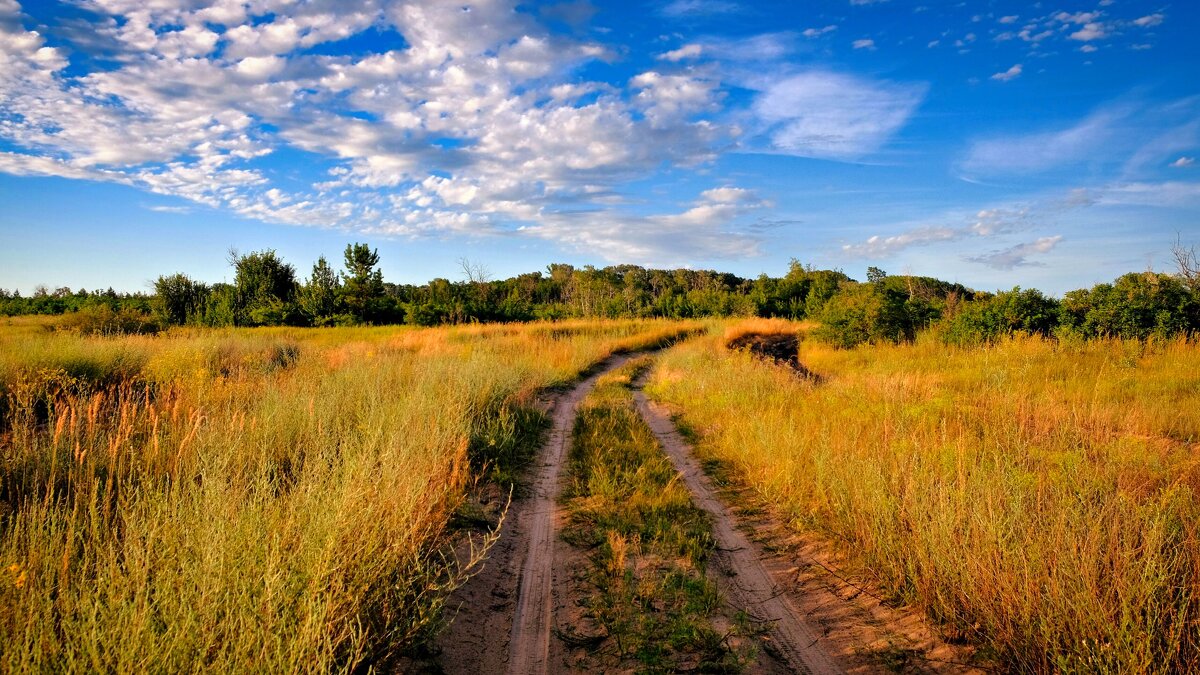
478 123
1149 21
865 43
831 115
689 51
1183 162
1019 255
1010 74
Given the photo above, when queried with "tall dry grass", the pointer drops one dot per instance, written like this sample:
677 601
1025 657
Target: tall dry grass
267 500
1039 498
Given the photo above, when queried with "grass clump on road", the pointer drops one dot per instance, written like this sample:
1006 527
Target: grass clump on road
649 543
1039 498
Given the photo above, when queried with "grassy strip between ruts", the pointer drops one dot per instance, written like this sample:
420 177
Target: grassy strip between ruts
646 588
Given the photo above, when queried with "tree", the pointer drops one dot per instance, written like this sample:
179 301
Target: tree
362 285
264 289
320 296
179 300
875 275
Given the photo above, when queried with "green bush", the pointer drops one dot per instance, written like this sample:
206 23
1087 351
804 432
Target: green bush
104 320
1137 305
1015 311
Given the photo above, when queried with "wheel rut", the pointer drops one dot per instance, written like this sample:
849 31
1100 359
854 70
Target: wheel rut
744 579
505 617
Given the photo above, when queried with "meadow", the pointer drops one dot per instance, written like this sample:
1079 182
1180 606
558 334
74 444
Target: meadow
269 499
1036 497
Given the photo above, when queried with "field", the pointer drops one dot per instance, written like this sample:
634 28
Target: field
294 499
274 498
1037 498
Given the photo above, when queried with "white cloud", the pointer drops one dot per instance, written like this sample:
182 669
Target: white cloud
1019 255
818 32
1039 151
1090 31
1010 74
882 247
834 116
1183 162
865 43
1149 21
480 95
1012 18
684 8
689 51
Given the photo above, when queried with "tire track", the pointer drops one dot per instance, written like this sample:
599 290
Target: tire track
746 580
505 616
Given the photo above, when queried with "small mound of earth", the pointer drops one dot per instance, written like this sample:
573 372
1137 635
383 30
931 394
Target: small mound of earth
779 348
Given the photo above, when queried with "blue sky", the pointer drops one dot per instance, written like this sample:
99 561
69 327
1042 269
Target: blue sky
1046 144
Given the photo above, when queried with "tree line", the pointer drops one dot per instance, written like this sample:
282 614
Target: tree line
267 291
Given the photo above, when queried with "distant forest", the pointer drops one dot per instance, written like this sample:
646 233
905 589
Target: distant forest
267 291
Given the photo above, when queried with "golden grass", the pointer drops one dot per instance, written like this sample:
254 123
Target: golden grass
268 499
1038 498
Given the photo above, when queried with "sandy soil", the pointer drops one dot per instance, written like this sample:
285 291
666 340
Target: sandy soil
506 611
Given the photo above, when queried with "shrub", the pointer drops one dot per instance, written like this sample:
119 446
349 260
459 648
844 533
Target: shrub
1136 305
104 320
1003 314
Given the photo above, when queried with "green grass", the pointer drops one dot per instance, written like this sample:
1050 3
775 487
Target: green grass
648 542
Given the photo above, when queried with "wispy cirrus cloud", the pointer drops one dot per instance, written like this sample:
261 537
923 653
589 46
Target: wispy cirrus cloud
829 115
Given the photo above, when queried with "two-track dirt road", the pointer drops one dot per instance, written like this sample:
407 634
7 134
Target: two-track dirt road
507 612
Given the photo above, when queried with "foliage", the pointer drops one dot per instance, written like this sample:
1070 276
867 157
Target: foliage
1001 315
179 300
1136 305
264 288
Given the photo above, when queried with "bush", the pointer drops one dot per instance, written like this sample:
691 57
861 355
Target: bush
1014 311
1137 305
104 320
872 313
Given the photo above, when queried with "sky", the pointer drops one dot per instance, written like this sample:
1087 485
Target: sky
1043 144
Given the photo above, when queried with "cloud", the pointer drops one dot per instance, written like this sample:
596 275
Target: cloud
1012 18
830 115
883 247
703 231
477 122
689 51
865 43
1183 162
1010 74
1090 31
1019 255
1149 21
685 8
1039 151
818 32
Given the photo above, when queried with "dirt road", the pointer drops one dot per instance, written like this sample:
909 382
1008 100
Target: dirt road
745 581
505 614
